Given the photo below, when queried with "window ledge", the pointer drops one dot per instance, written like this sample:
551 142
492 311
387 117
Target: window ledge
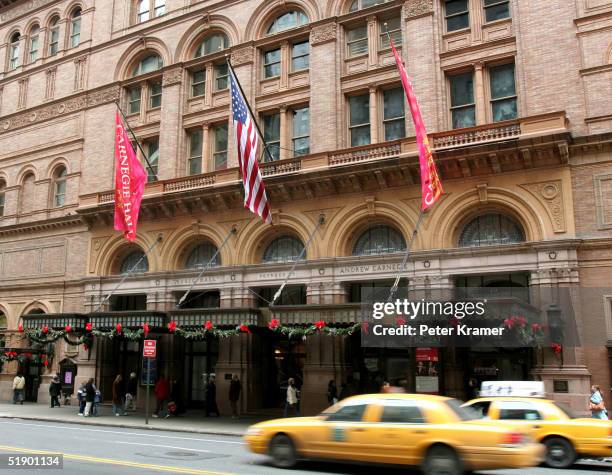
497 22
462 31
357 56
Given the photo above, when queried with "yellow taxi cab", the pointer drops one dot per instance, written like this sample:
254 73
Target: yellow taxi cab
432 432
565 437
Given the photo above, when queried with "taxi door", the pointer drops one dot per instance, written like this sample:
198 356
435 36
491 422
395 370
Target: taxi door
346 434
523 413
400 426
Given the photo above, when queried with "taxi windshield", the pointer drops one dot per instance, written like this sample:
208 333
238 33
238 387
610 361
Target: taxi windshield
464 413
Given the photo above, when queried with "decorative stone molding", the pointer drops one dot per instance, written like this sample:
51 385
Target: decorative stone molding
172 76
243 56
603 200
323 33
51 111
416 8
22 9
96 246
550 194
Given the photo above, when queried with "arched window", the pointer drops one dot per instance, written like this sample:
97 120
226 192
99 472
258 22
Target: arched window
290 19
2 187
143 11
134 258
14 51
283 249
201 255
54 36
59 187
361 4
34 42
27 195
36 311
75 28
3 321
491 229
152 62
379 239
212 44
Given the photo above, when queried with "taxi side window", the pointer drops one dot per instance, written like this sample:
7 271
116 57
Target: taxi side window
481 408
353 413
405 414
518 411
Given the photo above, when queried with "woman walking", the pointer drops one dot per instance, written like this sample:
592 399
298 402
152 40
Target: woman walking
90 395
596 404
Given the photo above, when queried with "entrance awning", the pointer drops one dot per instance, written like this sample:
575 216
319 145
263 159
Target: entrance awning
218 316
305 314
128 319
55 321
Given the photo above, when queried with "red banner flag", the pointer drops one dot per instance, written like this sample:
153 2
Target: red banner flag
130 179
431 186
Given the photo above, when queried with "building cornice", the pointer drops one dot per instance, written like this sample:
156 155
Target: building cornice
44 225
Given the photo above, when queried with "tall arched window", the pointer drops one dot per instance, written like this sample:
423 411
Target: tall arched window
27 195
286 21
152 62
135 261
283 249
34 43
75 28
491 229
14 51
2 187
150 88
379 239
59 187
201 255
54 36
212 44
360 4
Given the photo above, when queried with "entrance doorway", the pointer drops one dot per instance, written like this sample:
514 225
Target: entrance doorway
200 363
283 359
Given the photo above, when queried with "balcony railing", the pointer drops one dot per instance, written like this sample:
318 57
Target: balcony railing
54 321
524 128
217 316
338 314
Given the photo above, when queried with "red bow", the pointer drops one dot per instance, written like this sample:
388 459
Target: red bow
45 329
535 327
145 329
118 327
88 327
172 326
320 324
365 328
68 328
208 325
399 321
85 346
556 347
274 323
46 362
20 328
244 328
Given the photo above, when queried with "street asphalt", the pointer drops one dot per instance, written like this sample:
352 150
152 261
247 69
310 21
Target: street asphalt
91 450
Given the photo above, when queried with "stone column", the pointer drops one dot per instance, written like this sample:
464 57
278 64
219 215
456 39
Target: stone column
372 42
480 96
207 164
373 115
169 134
209 84
284 133
285 65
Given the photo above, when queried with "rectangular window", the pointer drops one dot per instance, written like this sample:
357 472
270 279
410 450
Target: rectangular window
60 193
14 56
75 33
160 7
195 152
220 147
394 28
357 41
155 94
503 93
271 123
272 63
152 149
33 48
463 109
1 204
457 15
359 120
134 95
300 56
54 41
301 131
198 83
393 114
221 77
496 9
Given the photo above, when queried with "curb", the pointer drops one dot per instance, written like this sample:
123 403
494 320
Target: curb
124 425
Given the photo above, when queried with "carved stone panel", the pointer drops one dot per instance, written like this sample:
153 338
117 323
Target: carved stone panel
243 56
323 33
550 194
415 8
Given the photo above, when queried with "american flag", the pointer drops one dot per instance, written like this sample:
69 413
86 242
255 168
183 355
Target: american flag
255 198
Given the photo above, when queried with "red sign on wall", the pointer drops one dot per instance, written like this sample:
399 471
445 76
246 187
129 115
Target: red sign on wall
150 349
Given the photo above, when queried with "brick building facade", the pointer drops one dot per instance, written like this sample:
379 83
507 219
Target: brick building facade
515 95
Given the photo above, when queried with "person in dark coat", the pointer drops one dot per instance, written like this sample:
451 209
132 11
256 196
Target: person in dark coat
130 395
234 394
90 396
332 392
55 389
118 395
176 397
211 398
162 393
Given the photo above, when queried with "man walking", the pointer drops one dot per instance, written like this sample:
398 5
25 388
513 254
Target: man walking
18 388
234 394
292 398
211 397
55 389
90 395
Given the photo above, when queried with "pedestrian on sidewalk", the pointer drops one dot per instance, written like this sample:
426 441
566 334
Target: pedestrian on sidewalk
292 398
130 395
90 395
81 399
234 394
18 388
55 389
596 404
176 398
162 392
332 392
95 410
118 396
211 397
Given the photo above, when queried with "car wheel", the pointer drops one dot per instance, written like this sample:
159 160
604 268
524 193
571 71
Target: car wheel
283 452
441 460
559 453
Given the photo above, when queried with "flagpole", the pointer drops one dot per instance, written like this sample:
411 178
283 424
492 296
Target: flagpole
229 64
127 124
298 259
130 272
207 266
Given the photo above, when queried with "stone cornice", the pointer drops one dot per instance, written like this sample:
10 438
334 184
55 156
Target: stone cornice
55 223
61 107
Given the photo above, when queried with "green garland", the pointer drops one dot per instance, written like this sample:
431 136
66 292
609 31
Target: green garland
201 334
51 336
303 331
132 335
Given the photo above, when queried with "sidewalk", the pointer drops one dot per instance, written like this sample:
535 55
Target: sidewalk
192 421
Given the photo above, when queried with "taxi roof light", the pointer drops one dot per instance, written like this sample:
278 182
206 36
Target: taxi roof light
512 388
